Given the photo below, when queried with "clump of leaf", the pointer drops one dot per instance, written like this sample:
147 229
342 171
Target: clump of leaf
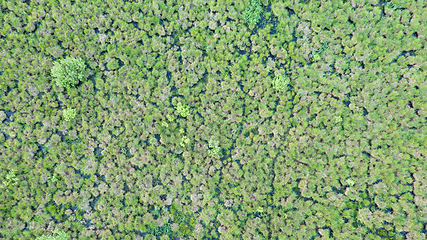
60 235
68 72
170 118
338 119
252 13
214 148
183 110
69 114
3 116
350 182
164 124
184 141
280 82
159 231
10 180
125 151
113 64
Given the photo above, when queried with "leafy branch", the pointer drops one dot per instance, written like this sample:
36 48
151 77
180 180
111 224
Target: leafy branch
252 13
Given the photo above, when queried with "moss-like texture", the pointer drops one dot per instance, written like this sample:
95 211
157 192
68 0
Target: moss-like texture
213 119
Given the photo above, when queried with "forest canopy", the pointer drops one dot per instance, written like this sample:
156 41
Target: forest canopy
200 119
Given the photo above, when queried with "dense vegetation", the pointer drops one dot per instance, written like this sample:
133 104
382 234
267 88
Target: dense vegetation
213 119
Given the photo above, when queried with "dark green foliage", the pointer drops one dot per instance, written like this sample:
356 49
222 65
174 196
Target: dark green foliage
159 231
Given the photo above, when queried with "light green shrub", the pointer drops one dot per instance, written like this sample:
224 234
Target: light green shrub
183 110
113 64
69 114
170 118
214 148
338 119
68 72
184 141
10 180
280 82
60 235
252 13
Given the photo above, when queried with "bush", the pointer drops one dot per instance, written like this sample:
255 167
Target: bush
60 235
251 15
184 141
183 110
69 114
280 82
68 72
10 180
113 65
214 148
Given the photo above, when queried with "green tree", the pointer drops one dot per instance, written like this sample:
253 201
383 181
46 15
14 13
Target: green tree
60 235
10 180
280 82
252 13
113 64
183 110
68 72
214 148
69 114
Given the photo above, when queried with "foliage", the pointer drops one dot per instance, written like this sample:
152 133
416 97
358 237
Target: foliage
125 151
68 72
280 82
159 231
316 54
274 148
69 114
10 180
170 117
252 13
165 124
390 4
184 141
183 110
3 116
350 182
113 64
338 119
214 148
60 235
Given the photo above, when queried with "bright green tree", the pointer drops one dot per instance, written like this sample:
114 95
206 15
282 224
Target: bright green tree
68 72
69 114
183 110
252 13
60 235
280 82
214 148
